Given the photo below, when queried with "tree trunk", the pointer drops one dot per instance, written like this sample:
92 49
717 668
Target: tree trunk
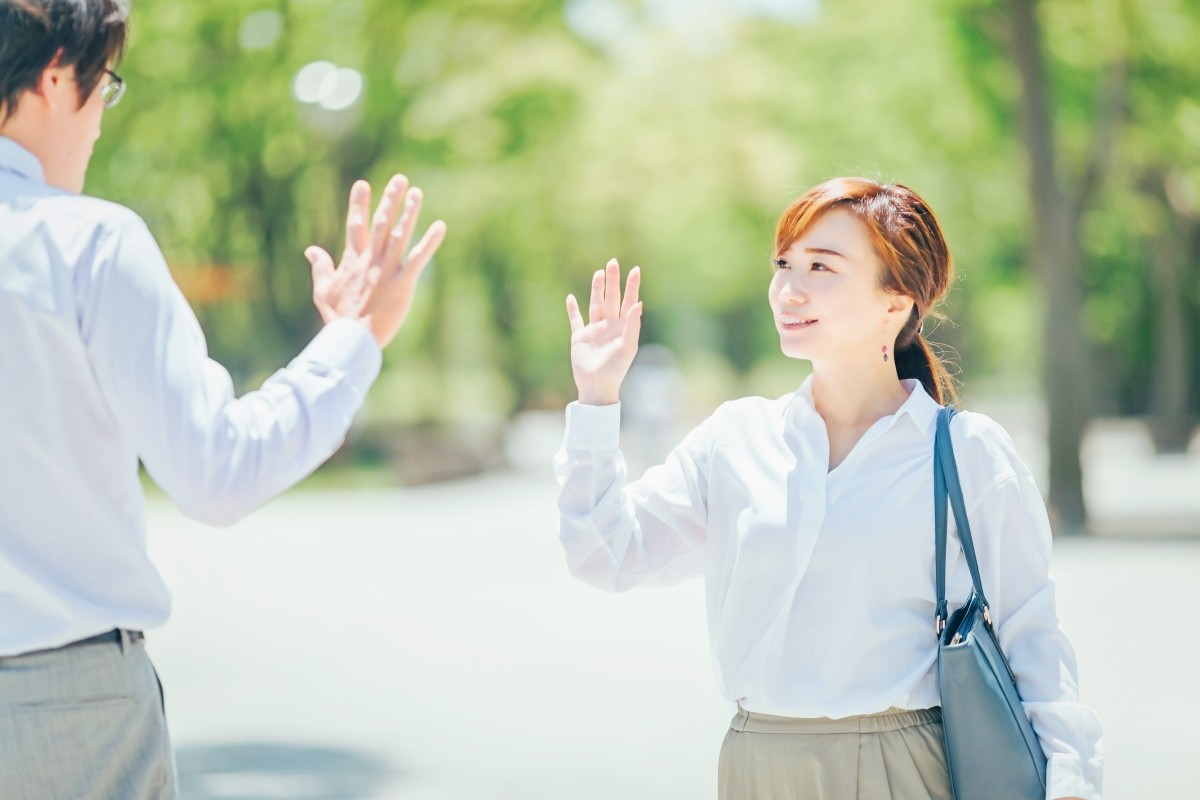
1058 263
1170 418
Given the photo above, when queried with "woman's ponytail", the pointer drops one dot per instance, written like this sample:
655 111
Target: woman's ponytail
916 359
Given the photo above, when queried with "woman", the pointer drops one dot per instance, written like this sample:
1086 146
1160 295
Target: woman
811 518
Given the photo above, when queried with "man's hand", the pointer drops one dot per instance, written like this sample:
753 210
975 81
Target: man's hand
375 281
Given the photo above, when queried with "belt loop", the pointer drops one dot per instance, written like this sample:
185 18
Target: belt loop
124 640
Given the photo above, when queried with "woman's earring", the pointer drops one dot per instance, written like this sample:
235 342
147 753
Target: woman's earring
885 352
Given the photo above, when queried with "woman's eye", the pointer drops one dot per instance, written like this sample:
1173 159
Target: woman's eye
817 265
780 263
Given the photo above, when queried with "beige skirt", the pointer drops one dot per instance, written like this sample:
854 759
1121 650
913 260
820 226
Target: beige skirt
894 755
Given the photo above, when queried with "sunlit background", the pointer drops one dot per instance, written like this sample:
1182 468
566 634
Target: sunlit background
406 614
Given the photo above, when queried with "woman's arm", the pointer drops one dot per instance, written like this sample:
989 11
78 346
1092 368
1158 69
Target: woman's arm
615 536
1012 533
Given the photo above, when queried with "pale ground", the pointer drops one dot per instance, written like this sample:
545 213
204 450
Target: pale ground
429 644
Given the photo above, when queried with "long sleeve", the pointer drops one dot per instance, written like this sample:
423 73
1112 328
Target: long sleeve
652 531
1012 530
216 455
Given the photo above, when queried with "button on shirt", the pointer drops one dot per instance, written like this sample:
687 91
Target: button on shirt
103 364
820 583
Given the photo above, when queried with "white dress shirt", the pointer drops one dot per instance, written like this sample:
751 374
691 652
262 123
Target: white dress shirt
103 363
820 583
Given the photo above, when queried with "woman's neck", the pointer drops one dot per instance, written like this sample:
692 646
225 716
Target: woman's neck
855 394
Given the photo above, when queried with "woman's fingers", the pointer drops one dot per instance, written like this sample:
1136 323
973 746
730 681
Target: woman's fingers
573 315
632 282
633 326
612 290
606 302
596 303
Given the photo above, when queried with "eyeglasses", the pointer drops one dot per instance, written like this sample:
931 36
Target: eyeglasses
112 92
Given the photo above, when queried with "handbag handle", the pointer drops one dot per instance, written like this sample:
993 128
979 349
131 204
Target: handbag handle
948 489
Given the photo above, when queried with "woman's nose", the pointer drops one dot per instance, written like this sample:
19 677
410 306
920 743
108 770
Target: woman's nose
791 291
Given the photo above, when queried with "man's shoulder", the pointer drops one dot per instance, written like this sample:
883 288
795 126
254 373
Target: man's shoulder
38 206
84 213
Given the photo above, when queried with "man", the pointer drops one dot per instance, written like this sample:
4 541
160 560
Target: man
103 365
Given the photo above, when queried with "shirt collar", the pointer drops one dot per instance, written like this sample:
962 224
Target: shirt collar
15 158
919 407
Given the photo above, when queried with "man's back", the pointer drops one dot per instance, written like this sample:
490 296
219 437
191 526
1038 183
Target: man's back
104 365
72 554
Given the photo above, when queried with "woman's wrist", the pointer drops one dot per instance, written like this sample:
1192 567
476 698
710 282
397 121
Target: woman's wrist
598 398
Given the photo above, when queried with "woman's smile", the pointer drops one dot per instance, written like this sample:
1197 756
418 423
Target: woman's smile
792 322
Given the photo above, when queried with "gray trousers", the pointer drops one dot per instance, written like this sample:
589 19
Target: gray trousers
893 755
84 722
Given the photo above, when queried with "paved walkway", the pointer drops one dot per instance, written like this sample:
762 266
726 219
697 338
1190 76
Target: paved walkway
429 644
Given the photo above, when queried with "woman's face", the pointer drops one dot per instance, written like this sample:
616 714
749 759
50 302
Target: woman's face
826 297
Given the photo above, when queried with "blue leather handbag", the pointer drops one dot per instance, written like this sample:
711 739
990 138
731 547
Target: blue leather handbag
991 746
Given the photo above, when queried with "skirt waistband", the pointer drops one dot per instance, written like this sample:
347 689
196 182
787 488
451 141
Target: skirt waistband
891 720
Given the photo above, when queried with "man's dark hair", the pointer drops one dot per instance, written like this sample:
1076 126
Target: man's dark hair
89 34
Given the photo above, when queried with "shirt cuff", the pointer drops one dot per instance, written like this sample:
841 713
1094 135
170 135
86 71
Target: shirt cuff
1065 778
593 427
347 346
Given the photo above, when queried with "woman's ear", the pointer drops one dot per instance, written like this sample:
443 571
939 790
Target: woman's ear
900 305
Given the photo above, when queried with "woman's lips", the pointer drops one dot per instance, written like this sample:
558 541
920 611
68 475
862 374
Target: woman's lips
789 323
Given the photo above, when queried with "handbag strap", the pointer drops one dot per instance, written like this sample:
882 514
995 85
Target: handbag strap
948 489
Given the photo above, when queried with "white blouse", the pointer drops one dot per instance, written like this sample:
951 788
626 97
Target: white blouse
819 582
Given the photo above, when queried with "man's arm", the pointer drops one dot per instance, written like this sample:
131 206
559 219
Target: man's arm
219 456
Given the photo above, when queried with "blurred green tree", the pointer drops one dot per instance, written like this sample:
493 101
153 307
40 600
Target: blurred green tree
554 135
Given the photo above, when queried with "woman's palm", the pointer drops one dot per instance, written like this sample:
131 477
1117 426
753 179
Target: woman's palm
603 349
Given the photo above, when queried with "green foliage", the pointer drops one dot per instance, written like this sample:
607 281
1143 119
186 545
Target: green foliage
548 151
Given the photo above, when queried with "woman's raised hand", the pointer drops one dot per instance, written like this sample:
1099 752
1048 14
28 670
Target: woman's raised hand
603 349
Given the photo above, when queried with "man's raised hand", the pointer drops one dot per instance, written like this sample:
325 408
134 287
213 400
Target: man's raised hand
377 276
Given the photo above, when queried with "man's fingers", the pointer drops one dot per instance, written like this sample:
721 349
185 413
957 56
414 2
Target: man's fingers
401 233
573 315
322 278
423 252
321 263
596 303
632 282
357 235
385 215
612 290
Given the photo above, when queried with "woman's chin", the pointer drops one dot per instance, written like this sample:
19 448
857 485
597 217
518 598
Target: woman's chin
801 353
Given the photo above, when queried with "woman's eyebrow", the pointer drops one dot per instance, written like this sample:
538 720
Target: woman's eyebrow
823 251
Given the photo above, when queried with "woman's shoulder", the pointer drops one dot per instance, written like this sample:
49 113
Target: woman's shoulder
976 426
983 447
751 413
743 417
755 407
